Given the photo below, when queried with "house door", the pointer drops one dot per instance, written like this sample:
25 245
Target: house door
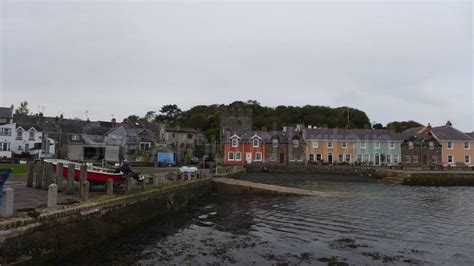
27 148
377 159
425 160
282 158
248 157
330 158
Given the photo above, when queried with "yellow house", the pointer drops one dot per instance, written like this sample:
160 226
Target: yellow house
329 146
458 147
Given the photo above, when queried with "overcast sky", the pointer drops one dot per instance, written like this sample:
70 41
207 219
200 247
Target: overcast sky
395 61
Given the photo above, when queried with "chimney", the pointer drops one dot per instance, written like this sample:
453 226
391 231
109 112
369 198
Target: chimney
41 115
428 128
449 124
114 122
56 119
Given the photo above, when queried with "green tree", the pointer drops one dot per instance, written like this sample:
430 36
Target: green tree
23 109
198 120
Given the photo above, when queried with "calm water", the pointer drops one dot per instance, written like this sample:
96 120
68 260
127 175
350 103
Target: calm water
369 223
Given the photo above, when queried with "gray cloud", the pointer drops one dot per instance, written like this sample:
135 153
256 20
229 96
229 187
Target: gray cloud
393 60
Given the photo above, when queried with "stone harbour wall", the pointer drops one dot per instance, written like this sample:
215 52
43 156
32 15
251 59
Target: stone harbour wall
68 230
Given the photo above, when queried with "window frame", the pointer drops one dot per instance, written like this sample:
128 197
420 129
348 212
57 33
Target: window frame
344 144
391 145
468 145
257 141
431 145
450 145
229 157
377 145
330 146
452 159
236 140
256 156
235 156
315 144
275 143
411 145
469 157
363 146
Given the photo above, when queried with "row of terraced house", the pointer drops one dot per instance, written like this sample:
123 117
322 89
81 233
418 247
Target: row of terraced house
415 147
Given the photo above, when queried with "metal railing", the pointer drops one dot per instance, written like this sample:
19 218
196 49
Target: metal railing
228 169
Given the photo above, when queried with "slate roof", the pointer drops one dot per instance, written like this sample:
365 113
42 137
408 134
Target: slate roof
351 134
470 134
6 112
449 133
246 136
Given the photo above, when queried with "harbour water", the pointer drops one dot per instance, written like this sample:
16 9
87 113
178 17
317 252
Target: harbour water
368 223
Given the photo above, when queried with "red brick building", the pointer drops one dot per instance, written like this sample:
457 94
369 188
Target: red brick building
244 148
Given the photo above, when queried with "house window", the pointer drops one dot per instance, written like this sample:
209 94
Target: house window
144 146
434 159
256 143
32 135
450 145
363 145
359 157
272 157
467 159
366 158
467 145
19 134
340 157
275 143
75 137
431 145
258 156
410 145
344 145
395 159
407 159
190 136
238 156
377 145
330 144
391 145
348 157
296 143
5 146
388 158
230 156
414 159
315 144
450 159
319 157
311 157
6 132
235 142
20 148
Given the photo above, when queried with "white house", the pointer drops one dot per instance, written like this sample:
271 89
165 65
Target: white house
7 132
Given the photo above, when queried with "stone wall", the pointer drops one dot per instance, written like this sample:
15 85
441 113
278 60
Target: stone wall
68 230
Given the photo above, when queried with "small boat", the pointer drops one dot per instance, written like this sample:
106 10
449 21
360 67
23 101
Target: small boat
96 175
189 171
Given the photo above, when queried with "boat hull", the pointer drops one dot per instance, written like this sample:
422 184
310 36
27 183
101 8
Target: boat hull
93 176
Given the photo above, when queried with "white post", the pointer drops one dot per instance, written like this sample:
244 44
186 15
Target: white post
7 202
52 195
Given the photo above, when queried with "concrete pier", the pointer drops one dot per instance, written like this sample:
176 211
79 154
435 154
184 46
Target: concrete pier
70 179
7 202
240 187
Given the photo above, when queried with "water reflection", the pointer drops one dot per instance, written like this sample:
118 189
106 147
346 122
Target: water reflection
375 224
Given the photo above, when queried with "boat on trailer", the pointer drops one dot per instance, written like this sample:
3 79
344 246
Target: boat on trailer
95 175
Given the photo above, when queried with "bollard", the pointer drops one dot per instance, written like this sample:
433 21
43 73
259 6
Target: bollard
59 176
85 190
70 179
83 176
142 185
47 178
52 195
7 202
31 174
39 176
128 184
110 187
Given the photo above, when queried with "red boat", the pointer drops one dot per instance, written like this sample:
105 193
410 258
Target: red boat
95 175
